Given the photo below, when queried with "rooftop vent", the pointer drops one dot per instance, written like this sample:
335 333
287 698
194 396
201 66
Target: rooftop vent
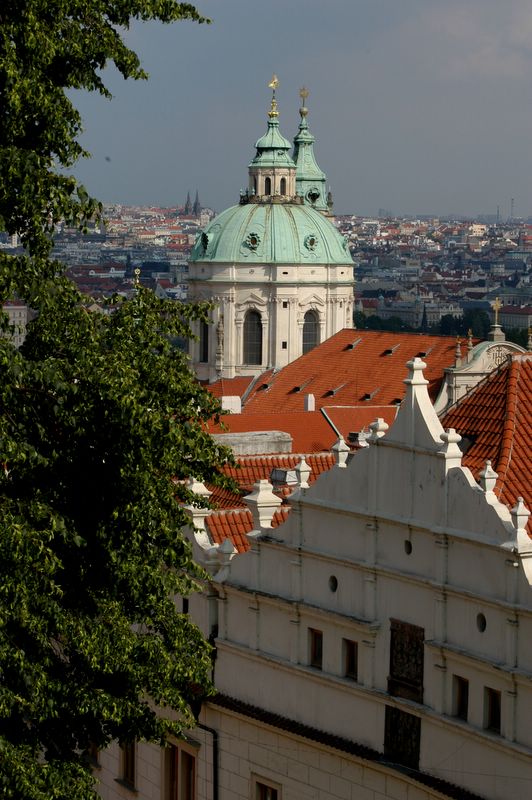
352 345
332 392
391 350
302 385
370 395
282 477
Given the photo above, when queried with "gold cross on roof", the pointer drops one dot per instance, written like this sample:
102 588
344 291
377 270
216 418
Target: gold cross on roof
496 306
303 93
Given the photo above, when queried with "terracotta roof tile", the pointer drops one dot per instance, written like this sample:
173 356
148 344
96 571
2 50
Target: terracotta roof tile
310 431
229 387
251 469
234 525
496 417
348 419
353 367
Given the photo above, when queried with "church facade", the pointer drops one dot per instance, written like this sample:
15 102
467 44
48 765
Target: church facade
277 270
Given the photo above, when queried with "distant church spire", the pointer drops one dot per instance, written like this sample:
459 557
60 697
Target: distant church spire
188 205
196 208
310 180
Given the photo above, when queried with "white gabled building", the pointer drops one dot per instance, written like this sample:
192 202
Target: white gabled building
377 644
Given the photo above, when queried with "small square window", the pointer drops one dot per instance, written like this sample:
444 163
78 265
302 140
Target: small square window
460 697
316 648
492 710
285 304
350 654
284 345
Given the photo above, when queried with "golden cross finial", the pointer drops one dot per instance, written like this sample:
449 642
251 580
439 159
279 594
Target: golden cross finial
274 83
303 93
136 280
496 306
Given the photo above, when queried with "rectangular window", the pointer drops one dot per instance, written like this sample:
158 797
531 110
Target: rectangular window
285 303
492 710
402 734
316 648
180 774
263 791
350 656
284 345
460 697
406 660
128 766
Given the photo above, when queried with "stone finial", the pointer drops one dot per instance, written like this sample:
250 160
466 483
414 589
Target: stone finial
378 429
450 447
263 503
520 515
458 353
225 551
197 514
303 473
529 343
488 477
341 451
415 375
470 339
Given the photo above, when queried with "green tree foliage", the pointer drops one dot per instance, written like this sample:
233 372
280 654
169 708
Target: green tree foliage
101 423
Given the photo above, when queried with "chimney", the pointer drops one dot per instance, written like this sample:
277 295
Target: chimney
310 402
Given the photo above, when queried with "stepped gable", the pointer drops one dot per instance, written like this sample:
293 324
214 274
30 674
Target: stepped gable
353 367
310 430
234 525
495 420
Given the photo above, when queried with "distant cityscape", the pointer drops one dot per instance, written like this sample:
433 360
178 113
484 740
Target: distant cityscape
414 274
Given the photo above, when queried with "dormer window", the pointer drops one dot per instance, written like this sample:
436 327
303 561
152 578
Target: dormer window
267 186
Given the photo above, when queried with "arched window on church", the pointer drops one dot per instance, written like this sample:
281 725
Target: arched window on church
267 186
254 186
283 185
204 343
252 338
310 331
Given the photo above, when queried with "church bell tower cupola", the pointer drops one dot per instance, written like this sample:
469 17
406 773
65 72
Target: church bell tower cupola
272 172
310 180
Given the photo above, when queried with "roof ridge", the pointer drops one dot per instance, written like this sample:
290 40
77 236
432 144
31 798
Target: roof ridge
476 387
508 431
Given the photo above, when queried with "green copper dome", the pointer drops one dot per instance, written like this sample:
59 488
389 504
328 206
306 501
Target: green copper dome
270 233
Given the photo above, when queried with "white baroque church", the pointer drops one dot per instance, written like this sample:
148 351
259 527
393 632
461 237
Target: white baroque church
276 268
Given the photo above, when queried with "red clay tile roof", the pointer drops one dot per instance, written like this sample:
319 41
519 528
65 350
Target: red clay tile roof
251 469
353 367
234 525
347 419
229 387
497 417
310 431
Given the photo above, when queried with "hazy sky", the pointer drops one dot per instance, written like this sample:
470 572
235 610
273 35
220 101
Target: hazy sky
417 106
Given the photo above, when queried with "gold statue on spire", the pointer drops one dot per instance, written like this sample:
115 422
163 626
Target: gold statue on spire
496 306
273 84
